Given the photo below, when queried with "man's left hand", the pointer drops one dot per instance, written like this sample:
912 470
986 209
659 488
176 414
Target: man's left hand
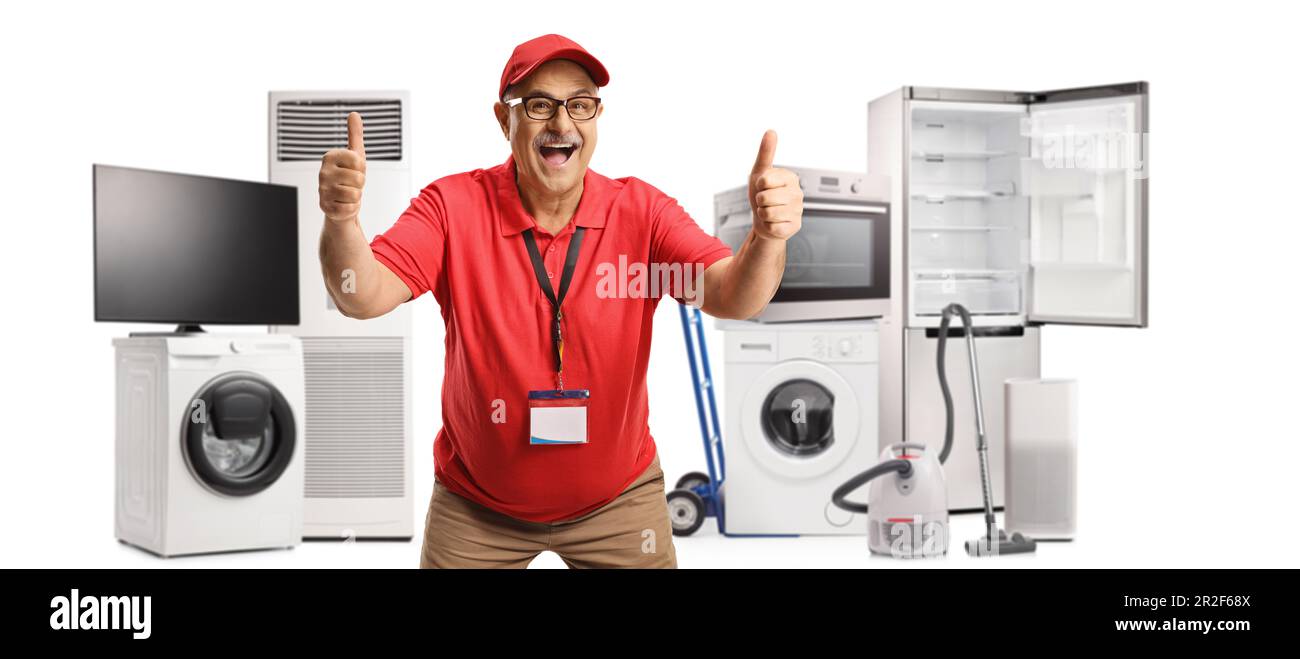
774 195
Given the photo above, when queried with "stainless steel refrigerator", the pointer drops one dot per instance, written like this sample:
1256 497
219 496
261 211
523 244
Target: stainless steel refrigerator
1029 208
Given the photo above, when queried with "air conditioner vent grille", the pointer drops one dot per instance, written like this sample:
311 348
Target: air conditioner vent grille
306 129
355 397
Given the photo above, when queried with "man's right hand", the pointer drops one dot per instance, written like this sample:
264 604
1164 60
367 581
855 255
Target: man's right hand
343 176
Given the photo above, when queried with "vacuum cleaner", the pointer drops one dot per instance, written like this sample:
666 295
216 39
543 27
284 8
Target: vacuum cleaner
907 502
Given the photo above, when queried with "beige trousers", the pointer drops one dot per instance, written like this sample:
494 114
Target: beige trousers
631 531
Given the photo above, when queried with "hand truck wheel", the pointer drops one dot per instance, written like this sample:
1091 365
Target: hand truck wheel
692 480
686 512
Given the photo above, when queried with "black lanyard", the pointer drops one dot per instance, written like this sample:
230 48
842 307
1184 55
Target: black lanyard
539 269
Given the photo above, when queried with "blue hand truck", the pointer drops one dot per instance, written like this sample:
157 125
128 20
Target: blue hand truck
696 494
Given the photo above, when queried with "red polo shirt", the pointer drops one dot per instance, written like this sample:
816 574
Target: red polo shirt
461 239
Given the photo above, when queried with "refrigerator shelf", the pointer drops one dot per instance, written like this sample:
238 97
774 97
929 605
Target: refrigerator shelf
939 274
940 193
986 293
939 227
943 156
1079 265
968 195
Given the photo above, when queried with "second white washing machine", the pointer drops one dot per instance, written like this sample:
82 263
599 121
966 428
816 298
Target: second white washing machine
801 418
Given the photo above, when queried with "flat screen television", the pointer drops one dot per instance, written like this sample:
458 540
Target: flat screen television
192 250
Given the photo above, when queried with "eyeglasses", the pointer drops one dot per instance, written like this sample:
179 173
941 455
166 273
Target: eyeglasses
542 108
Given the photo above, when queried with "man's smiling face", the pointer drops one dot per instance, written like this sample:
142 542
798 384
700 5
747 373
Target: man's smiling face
552 154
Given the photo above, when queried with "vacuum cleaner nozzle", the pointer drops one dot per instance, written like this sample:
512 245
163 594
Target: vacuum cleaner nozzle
1016 544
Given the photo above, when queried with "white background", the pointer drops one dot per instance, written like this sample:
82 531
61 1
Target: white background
1189 446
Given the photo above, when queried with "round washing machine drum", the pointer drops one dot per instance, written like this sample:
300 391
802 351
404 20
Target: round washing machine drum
799 417
239 434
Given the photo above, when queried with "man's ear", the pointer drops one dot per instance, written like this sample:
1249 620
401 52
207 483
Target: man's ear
503 117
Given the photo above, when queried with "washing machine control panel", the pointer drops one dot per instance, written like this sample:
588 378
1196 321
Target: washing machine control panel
830 346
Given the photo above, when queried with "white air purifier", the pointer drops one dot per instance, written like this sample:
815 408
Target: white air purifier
358 475
1042 457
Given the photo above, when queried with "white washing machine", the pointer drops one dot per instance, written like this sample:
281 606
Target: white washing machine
209 450
801 408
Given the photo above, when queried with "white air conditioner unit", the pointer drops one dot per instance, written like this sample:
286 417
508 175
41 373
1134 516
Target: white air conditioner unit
358 476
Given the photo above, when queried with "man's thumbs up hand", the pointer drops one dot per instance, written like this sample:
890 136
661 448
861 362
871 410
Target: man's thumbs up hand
774 194
766 152
343 175
357 137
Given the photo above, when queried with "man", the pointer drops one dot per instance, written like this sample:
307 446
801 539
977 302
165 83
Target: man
545 443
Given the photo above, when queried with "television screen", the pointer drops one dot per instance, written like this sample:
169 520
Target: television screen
177 248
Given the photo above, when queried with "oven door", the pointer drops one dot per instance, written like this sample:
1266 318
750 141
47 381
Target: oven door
837 266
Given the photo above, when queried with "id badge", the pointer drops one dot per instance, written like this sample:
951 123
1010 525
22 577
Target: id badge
558 416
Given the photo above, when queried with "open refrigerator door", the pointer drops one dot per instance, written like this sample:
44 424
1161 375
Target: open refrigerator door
1086 176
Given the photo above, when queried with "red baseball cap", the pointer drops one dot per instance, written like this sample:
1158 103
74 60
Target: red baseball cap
535 52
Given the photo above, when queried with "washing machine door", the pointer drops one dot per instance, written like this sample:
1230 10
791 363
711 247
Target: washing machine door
800 419
239 434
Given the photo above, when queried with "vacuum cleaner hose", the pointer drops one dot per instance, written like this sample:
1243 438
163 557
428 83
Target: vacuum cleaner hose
944 322
903 467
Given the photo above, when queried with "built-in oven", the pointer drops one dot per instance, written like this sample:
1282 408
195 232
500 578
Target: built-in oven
837 266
